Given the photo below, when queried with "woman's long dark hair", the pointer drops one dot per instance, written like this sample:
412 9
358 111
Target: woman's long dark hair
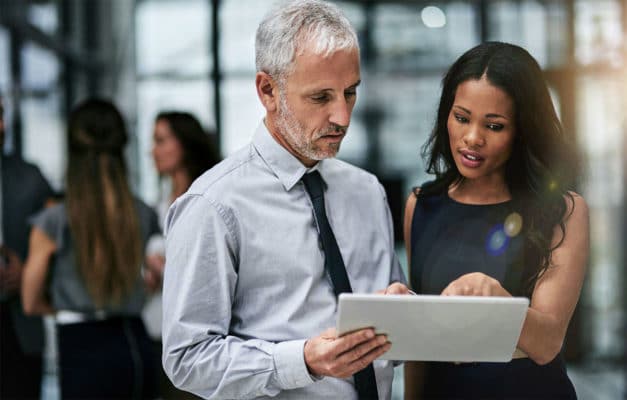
101 209
543 163
199 150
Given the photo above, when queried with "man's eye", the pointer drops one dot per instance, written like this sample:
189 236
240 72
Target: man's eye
320 98
350 93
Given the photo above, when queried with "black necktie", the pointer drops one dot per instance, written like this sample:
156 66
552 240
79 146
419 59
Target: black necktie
365 381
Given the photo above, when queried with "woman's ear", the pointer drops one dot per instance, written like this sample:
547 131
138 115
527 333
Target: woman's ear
268 91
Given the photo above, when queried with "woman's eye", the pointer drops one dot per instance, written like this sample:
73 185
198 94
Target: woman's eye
495 127
461 118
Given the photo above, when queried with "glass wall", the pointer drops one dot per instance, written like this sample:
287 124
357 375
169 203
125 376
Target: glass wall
174 66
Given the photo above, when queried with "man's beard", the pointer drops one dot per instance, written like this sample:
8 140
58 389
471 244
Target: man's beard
295 135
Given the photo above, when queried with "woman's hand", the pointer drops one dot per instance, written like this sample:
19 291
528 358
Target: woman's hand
394 288
475 284
153 272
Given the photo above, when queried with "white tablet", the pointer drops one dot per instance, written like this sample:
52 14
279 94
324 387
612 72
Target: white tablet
438 328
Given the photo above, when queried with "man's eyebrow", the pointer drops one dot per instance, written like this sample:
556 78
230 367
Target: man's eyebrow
354 85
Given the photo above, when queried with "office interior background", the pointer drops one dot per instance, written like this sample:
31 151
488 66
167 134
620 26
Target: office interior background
198 56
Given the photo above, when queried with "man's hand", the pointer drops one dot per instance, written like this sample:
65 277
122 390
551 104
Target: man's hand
395 288
341 357
475 284
11 272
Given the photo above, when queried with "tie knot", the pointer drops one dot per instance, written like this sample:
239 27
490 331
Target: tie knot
313 184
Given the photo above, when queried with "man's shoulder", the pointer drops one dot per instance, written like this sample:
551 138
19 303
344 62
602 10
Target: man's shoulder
224 175
349 174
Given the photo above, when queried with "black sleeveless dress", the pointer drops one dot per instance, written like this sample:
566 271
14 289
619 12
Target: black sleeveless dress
450 239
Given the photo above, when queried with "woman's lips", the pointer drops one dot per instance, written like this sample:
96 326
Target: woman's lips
471 159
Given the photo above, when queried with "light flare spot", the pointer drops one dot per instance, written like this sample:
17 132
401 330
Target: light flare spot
497 240
513 224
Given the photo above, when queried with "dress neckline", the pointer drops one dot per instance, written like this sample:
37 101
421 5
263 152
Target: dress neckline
453 201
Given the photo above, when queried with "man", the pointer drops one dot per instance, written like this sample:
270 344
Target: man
252 261
24 192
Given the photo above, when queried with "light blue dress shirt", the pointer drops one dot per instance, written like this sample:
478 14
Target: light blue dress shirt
245 284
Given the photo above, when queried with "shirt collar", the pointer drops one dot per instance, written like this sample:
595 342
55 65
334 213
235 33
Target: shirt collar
287 168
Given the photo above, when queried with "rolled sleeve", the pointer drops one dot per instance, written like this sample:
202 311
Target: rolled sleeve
289 362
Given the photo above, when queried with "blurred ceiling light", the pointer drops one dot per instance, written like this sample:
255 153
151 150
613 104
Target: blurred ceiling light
433 17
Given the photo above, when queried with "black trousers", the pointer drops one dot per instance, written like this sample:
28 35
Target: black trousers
110 359
20 373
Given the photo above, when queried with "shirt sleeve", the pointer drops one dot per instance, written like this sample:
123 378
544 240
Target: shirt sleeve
51 222
199 353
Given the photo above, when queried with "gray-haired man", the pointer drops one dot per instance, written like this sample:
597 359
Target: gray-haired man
259 247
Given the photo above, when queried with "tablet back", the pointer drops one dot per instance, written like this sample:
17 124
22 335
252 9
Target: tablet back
438 328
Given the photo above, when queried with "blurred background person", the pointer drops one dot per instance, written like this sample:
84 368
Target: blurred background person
84 264
182 151
24 192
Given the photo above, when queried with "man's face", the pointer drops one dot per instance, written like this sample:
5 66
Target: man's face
315 104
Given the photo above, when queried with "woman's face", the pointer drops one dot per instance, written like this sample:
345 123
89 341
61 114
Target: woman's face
481 130
166 150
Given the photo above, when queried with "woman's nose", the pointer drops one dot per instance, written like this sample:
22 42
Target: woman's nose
474 137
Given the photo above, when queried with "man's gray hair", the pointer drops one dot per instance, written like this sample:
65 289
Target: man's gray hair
288 28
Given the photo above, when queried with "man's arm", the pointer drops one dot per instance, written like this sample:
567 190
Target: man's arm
199 287
200 355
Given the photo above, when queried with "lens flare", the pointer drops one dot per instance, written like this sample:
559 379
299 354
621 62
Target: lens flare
513 224
497 240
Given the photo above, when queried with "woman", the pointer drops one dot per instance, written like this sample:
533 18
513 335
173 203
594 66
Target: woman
182 151
499 220
84 265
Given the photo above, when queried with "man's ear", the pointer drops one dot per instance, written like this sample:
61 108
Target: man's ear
268 91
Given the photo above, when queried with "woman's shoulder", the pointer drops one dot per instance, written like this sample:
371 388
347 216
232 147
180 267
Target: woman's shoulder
576 206
51 214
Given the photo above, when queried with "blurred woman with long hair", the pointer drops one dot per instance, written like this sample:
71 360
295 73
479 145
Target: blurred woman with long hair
85 260
182 151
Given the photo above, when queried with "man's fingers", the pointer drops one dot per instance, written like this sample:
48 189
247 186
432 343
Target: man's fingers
369 357
330 333
362 349
351 340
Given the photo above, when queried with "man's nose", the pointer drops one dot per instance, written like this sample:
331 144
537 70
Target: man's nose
341 113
